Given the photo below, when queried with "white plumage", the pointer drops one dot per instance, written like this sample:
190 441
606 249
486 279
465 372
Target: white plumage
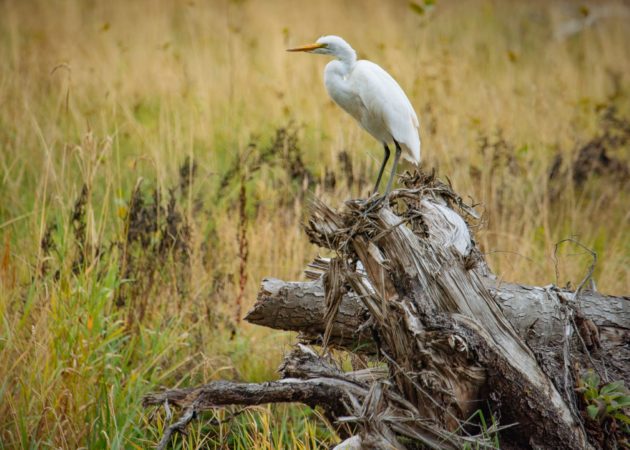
370 95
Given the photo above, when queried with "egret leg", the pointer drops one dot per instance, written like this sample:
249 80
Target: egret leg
393 174
389 182
380 172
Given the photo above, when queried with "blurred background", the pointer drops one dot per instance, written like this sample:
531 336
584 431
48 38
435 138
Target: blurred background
157 159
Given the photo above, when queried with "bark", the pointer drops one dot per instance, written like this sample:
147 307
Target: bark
221 393
408 287
535 313
444 334
346 397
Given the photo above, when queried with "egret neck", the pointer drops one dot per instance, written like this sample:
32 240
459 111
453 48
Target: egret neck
336 74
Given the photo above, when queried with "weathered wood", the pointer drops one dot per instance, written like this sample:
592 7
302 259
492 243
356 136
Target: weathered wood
222 393
408 285
327 393
532 310
299 306
310 379
535 312
444 332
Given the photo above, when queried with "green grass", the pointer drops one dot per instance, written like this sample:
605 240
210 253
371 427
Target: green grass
104 299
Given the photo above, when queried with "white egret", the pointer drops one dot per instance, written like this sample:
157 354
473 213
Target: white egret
370 95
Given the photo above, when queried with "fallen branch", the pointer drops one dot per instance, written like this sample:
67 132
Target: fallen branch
346 397
532 310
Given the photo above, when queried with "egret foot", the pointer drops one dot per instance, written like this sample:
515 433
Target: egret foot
373 202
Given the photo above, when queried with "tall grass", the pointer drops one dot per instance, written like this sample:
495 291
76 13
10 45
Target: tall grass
156 158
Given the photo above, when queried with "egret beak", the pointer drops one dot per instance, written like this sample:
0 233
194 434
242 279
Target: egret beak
306 48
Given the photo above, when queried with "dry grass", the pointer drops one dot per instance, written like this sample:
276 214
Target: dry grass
100 94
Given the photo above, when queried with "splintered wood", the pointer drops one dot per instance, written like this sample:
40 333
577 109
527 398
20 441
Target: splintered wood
443 334
407 288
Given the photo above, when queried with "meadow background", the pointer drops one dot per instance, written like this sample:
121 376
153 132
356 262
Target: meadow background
157 158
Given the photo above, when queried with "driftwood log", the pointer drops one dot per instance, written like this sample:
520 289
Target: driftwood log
440 337
535 312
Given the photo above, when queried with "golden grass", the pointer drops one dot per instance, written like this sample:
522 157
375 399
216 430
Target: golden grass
103 93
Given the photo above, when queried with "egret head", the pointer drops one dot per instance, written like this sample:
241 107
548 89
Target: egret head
328 45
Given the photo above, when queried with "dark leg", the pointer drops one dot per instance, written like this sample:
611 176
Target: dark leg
380 172
393 174
389 182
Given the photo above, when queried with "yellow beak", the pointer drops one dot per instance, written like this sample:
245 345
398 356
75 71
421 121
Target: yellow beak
306 48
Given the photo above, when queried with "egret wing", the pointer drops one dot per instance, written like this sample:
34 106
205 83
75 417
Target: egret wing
387 107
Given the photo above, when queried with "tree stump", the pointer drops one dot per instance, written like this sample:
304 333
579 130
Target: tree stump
408 289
